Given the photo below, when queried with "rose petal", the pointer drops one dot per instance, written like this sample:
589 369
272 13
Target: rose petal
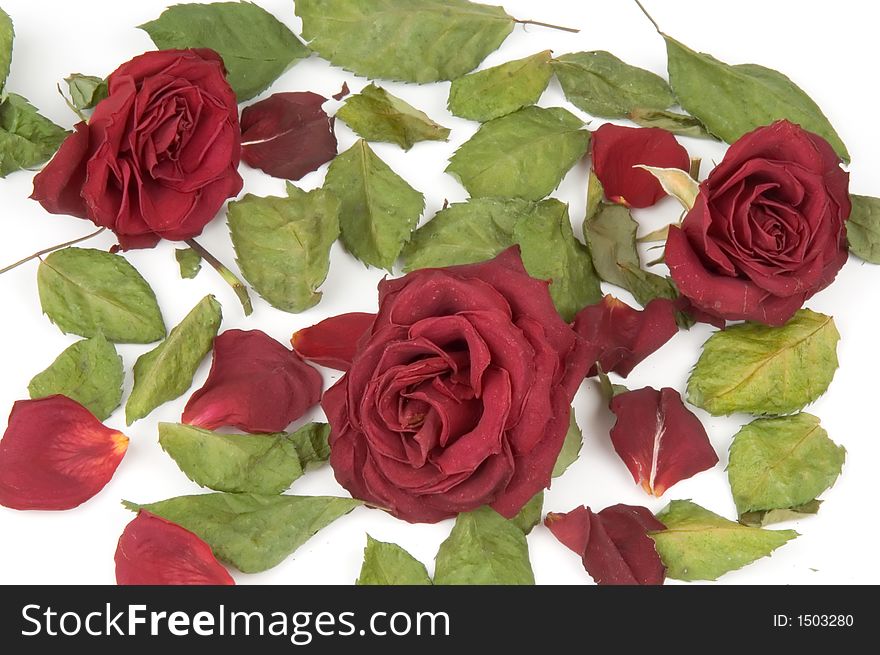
334 341
57 187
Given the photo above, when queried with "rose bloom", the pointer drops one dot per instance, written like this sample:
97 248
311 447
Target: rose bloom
767 230
459 393
159 156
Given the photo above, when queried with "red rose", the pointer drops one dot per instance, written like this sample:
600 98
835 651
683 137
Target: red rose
767 230
159 156
459 394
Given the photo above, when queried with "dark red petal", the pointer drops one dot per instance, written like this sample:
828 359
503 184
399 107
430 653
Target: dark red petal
255 384
617 149
153 551
659 439
334 341
59 185
572 529
56 455
287 135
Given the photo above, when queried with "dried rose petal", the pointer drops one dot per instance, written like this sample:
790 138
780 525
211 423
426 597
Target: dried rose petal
614 544
625 336
659 439
255 384
287 135
56 455
617 149
334 341
153 551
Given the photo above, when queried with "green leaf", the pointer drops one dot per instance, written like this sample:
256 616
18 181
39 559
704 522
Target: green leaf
501 90
406 40
733 100
389 564
256 47
167 371
602 85
249 531
484 548
379 210
86 91
700 545
571 447
595 196
680 124
27 139
283 244
782 463
863 228
90 292
610 234
759 369
767 517
7 36
376 115
89 372
190 262
522 155
530 515
243 463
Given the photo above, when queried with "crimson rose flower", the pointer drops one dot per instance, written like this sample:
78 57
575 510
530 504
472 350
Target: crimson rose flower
458 395
767 230
159 155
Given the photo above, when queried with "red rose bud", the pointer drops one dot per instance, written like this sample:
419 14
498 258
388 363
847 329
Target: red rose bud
334 341
153 551
625 336
616 150
255 384
613 544
659 439
287 135
56 455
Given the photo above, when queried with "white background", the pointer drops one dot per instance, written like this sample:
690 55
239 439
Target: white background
830 50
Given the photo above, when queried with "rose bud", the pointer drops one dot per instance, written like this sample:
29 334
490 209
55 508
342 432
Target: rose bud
659 439
614 544
255 384
767 230
616 150
459 395
334 341
153 551
56 455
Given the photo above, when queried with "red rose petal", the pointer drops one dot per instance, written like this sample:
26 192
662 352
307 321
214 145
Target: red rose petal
255 384
617 149
153 551
334 341
57 187
287 135
659 439
56 455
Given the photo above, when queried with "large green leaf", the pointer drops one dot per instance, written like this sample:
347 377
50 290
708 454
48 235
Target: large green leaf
251 532
379 210
167 371
571 447
283 244
389 564
27 139
863 228
522 155
700 545
90 292
759 369
7 36
407 40
733 100
256 47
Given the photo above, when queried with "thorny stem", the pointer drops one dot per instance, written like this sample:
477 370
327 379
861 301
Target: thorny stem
228 276
653 22
550 25
45 251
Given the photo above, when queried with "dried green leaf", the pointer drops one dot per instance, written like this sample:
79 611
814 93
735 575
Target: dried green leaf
762 518
7 36
530 515
389 564
190 262
680 124
27 139
863 228
595 195
86 91
676 183
571 447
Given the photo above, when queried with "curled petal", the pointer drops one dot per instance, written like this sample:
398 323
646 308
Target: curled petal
334 341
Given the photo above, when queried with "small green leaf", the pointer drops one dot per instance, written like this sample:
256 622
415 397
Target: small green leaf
522 155
86 91
89 372
376 115
27 139
501 90
90 292
571 447
389 564
759 369
768 517
256 47
602 85
484 548
7 36
251 532
283 244
782 463
863 228
700 545
190 262
680 124
595 195
530 515
379 210
167 371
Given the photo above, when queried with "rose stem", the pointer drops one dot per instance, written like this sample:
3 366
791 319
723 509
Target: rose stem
550 25
227 275
51 249
653 22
